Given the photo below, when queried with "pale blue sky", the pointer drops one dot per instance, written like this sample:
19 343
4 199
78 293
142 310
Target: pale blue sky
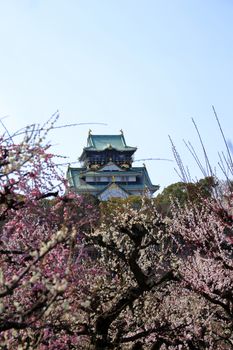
147 67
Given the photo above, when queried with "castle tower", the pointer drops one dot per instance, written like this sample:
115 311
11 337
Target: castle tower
107 169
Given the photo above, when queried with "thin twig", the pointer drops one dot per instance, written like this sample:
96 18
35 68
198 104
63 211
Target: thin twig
208 166
230 164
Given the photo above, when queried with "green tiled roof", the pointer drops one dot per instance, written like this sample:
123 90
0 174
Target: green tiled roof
113 173
102 142
76 181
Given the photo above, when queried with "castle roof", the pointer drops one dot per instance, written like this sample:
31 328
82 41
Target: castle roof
74 176
102 142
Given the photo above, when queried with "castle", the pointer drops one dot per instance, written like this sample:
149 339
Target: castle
107 170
